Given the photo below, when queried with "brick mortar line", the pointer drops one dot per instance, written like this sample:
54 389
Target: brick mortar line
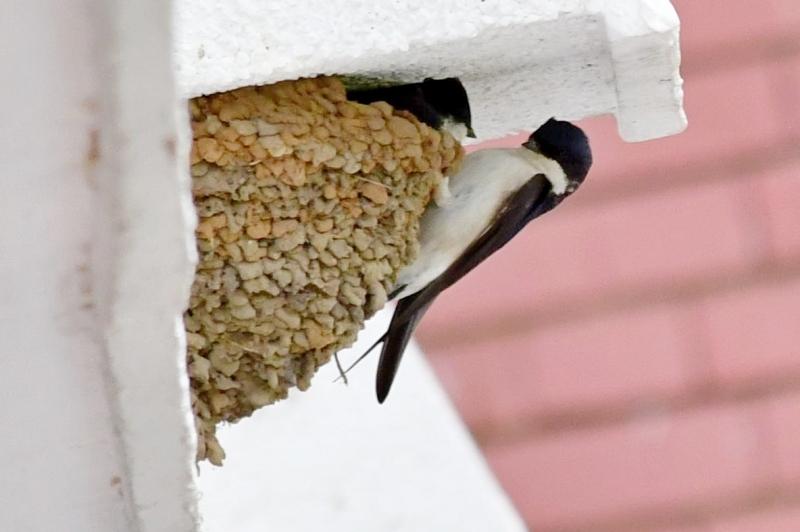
702 513
694 173
625 412
576 308
773 48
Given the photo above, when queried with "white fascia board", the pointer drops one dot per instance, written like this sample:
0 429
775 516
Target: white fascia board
144 255
521 61
95 271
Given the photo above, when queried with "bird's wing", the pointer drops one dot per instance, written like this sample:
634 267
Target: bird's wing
530 201
396 341
408 97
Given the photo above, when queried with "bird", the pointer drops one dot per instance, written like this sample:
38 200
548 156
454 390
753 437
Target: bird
440 103
495 194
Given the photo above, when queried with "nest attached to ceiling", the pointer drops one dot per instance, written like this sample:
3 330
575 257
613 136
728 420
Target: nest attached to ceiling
308 206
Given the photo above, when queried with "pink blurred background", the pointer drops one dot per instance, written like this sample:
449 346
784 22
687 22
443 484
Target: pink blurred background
631 362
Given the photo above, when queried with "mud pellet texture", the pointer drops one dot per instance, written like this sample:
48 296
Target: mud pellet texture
308 206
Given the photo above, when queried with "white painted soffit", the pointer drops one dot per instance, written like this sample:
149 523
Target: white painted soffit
521 61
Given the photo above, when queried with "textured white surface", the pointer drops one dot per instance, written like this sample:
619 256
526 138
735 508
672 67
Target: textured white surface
143 259
60 453
95 271
522 61
333 459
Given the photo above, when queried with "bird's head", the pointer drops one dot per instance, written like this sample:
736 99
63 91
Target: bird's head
565 144
449 99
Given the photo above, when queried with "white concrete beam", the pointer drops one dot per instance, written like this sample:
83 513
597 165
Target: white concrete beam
522 61
144 256
63 465
97 234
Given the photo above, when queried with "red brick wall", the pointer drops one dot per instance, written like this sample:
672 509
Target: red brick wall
631 362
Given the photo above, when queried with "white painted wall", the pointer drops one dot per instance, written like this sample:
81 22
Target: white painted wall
60 454
94 273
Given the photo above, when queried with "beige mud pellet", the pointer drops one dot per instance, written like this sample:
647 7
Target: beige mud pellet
308 206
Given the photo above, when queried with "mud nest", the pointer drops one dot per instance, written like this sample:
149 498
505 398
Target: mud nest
308 206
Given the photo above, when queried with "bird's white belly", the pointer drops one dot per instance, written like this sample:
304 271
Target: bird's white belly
485 181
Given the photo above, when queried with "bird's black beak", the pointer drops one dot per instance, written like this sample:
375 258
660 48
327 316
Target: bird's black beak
531 144
550 202
470 133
